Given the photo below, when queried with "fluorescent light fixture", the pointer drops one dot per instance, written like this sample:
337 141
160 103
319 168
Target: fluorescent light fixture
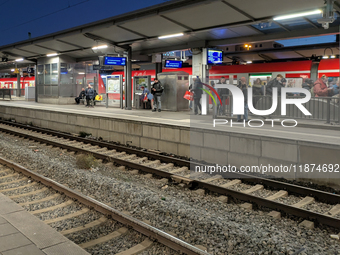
19 59
52 54
81 73
12 70
296 15
249 62
325 57
100 47
54 71
170 36
333 56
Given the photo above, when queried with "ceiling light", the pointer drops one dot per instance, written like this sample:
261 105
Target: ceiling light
19 59
325 57
170 36
52 54
333 56
12 70
99 47
249 62
81 73
301 14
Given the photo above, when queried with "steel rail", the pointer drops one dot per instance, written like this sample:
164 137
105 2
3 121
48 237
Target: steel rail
141 227
276 185
287 209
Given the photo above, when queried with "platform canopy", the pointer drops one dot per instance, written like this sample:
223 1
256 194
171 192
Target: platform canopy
204 23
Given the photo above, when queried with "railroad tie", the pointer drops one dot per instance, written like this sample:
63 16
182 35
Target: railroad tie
104 239
19 187
40 200
214 178
11 182
334 211
51 208
156 162
231 183
304 202
165 166
128 157
89 225
29 193
9 175
146 244
281 193
68 216
253 189
179 170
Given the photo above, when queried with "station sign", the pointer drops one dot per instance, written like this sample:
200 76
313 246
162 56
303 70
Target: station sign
30 70
96 67
114 61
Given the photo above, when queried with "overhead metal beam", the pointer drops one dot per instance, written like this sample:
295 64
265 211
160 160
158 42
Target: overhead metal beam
46 48
276 36
239 11
310 22
134 32
280 25
72 44
255 29
265 57
176 22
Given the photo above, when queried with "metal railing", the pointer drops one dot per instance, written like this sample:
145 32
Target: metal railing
321 108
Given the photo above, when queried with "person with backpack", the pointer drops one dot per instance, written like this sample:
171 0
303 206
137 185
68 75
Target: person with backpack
157 91
197 90
90 94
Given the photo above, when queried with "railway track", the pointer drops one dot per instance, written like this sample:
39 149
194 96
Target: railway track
95 227
309 204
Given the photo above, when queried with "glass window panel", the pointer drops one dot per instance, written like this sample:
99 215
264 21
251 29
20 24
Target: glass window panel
47 74
40 74
66 73
54 74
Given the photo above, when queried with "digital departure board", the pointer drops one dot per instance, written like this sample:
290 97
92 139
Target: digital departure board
173 64
214 57
114 61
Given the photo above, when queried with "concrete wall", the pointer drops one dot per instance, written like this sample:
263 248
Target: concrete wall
212 146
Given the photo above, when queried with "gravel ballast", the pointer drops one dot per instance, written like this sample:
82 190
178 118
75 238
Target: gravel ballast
200 220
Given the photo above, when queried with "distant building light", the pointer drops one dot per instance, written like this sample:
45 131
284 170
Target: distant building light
52 54
170 36
19 59
296 15
99 47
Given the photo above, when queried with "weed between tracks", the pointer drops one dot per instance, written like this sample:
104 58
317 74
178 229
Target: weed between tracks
86 161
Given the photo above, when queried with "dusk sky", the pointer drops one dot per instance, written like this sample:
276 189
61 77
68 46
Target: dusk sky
41 17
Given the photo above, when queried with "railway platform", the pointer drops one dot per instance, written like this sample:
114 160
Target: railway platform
23 233
187 135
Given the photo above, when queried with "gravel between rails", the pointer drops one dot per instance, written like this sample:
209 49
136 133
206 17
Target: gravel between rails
200 220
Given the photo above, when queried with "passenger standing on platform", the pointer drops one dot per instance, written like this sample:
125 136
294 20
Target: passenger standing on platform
157 91
223 93
244 87
321 89
81 96
276 83
197 90
148 95
89 92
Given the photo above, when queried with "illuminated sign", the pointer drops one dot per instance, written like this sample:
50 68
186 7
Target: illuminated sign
114 61
173 64
215 57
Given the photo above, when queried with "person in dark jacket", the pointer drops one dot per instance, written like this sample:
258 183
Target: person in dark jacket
157 91
81 96
276 83
244 87
197 90
89 92
223 93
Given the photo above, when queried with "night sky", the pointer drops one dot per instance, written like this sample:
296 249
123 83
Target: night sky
41 17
